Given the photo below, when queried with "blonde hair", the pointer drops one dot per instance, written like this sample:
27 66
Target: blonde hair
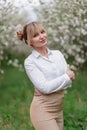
29 31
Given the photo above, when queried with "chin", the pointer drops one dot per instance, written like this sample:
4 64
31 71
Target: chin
44 44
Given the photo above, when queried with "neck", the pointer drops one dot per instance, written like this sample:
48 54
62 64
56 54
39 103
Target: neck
42 51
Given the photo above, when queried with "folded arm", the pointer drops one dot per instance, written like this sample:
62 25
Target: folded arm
41 83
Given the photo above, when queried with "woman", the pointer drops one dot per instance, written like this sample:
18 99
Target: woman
50 75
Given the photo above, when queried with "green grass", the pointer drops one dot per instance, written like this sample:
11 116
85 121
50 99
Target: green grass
75 105
16 93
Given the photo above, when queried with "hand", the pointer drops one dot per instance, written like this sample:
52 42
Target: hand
70 73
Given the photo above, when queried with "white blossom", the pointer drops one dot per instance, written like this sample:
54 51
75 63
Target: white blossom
65 22
70 21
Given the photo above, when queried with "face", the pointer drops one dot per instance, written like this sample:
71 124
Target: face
39 39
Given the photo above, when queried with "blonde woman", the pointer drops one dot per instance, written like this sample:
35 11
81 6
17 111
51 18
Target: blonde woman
50 75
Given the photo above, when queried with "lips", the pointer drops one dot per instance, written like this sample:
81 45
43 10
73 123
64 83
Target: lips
43 41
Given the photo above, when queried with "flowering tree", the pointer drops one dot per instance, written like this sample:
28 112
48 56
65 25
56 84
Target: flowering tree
66 23
10 18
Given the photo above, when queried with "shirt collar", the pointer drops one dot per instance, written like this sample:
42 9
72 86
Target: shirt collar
37 54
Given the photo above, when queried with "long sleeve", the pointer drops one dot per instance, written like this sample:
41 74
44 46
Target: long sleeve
41 83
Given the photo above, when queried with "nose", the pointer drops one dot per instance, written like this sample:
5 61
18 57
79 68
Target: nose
41 35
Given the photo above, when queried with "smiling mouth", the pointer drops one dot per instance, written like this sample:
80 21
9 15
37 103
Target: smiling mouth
43 41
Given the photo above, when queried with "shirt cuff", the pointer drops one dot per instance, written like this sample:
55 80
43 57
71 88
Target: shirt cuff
68 80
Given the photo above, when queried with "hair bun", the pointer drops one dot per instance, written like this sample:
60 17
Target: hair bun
20 35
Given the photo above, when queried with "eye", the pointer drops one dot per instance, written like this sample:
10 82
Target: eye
35 35
42 31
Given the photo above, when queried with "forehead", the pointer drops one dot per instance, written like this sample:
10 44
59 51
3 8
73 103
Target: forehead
37 28
33 29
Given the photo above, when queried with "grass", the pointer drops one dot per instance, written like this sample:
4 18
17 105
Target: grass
16 93
75 105
15 96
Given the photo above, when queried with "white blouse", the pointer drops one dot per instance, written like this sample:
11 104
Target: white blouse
47 74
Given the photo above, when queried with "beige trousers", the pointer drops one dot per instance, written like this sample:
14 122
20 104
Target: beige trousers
46 111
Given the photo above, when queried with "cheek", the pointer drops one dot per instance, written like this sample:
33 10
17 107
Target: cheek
34 40
45 35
